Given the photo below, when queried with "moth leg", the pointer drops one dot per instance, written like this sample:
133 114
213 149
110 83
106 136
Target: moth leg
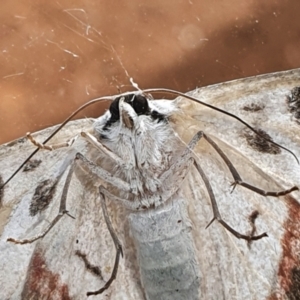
181 161
92 140
155 199
186 155
61 213
170 190
217 215
167 193
237 178
50 147
116 241
103 174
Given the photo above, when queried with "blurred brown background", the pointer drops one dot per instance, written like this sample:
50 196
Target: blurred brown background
57 55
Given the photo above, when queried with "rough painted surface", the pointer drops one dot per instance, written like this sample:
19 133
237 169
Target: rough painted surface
229 268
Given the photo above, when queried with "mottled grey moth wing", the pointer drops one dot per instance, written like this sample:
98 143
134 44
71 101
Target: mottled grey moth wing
77 255
66 263
270 268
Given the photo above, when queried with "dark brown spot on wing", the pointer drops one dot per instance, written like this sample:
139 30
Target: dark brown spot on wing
293 103
289 267
31 165
93 269
259 142
18 141
1 190
252 218
43 195
41 283
253 107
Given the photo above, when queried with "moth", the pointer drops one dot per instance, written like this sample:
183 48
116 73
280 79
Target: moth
149 179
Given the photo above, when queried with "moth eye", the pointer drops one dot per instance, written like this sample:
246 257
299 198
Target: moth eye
114 110
140 105
138 102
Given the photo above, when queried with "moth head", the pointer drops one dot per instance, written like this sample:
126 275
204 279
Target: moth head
131 113
129 108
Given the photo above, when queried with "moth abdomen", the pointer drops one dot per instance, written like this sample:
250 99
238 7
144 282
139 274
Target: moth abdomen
166 251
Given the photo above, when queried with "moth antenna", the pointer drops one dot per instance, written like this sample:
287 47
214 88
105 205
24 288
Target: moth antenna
158 90
91 102
167 91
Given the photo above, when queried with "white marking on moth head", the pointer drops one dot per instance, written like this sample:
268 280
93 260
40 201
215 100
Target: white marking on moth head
128 116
